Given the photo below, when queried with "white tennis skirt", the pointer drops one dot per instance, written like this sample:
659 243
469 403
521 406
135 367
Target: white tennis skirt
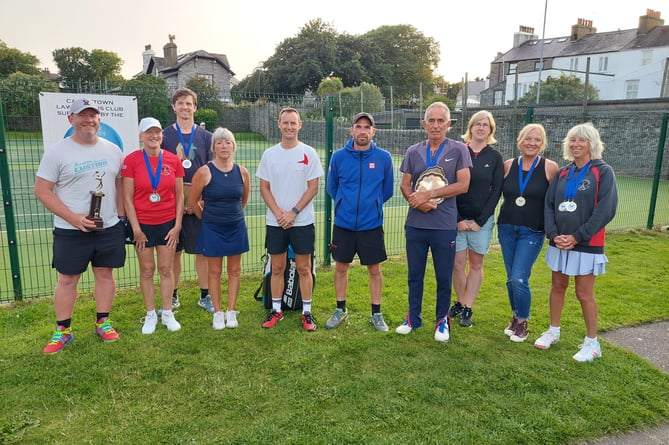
572 263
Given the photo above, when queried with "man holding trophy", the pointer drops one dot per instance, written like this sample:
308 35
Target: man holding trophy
78 180
434 172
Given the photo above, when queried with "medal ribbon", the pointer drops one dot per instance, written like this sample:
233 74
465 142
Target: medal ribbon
573 183
522 183
154 177
183 141
432 161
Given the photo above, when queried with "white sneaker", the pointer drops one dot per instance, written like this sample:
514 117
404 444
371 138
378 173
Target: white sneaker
404 328
589 351
546 340
219 321
169 321
150 322
231 319
441 331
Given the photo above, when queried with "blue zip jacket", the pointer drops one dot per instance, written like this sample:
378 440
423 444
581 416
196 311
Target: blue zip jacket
359 182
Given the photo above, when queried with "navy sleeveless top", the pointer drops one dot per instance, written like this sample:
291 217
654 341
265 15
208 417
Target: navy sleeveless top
223 197
532 213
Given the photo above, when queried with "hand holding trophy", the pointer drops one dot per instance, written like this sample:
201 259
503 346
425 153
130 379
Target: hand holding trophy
431 179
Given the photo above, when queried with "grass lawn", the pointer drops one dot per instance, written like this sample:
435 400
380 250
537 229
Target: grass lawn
350 385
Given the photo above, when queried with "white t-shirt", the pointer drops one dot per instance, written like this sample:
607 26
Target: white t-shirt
288 171
76 170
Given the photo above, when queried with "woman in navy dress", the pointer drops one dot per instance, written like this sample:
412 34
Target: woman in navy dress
221 190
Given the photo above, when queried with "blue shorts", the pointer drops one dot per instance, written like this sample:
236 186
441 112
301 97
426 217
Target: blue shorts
476 241
73 250
156 233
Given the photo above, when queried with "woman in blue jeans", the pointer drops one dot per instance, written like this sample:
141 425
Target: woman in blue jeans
520 225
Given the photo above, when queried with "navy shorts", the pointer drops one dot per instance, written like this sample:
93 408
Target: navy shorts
368 244
73 250
156 233
303 239
190 230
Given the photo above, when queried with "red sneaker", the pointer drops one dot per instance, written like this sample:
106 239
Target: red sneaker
104 329
308 322
272 319
59 339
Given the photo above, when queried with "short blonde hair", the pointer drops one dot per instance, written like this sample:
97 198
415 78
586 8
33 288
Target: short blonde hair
223 133
589 132
529 127
480 115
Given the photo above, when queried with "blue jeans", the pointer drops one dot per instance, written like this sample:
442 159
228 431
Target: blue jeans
442 245
520 248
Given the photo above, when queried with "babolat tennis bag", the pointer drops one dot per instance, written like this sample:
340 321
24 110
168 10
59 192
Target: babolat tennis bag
292 298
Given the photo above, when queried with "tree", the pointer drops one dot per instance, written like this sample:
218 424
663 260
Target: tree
208 96
78 65
330 86
14 61
153 98
558 90
400 56
20 95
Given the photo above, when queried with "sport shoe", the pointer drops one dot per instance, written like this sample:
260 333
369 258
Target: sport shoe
378 322
219 321
206 304
168 320
104 329
456 309
175 304
272 319
308 322
442 330
150 322
231 319
338 316
59 339
520 332
404 328
510 329
590 350
546 340
466 317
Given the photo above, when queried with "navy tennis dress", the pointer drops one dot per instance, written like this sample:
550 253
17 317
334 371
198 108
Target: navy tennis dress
223 231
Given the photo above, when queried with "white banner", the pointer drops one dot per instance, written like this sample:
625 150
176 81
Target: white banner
118 115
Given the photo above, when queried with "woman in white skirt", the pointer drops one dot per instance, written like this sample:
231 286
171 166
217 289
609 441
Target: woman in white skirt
580 201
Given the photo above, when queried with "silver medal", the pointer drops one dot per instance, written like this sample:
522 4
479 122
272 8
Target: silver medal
563 206
186 163
571 206
154 197
520 201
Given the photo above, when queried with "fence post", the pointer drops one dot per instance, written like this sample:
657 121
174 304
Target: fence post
329 142
10 220
658 170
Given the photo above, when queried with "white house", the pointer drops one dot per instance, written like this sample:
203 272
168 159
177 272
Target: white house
624 64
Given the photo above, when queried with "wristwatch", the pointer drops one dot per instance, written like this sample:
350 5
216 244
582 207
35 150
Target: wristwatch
296 210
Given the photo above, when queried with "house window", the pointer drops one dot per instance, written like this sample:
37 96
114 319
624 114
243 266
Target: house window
603 64
631 89
646 57
538 65
573 64
513 67
498 98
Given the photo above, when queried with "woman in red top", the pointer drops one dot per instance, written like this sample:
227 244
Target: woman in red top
154 202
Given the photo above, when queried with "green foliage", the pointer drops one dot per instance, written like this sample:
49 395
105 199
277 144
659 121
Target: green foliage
152 96
330 86
366 97
559 90
439 98
208 116
79 65
208 95
357 385
20 95
13 60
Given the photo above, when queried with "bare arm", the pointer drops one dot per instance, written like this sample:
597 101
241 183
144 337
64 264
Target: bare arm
44 193
200 179
246 178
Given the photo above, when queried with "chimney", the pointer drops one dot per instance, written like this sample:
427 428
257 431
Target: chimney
524 34
170 50
649 21
146 57
582 28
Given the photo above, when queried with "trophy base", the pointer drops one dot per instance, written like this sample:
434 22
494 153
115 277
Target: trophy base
99 225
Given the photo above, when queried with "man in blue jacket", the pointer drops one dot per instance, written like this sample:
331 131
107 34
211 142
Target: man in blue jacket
359 180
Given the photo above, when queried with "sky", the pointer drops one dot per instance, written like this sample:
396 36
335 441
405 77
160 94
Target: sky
469 34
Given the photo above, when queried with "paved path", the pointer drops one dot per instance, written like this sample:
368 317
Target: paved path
650 342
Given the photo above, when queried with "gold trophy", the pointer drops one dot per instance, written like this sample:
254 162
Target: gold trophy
94 212
431 179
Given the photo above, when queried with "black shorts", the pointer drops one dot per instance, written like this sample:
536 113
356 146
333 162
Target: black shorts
73 250
303 239
368 244
156 233
190 230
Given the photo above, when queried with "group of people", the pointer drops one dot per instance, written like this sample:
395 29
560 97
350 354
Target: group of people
183 191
